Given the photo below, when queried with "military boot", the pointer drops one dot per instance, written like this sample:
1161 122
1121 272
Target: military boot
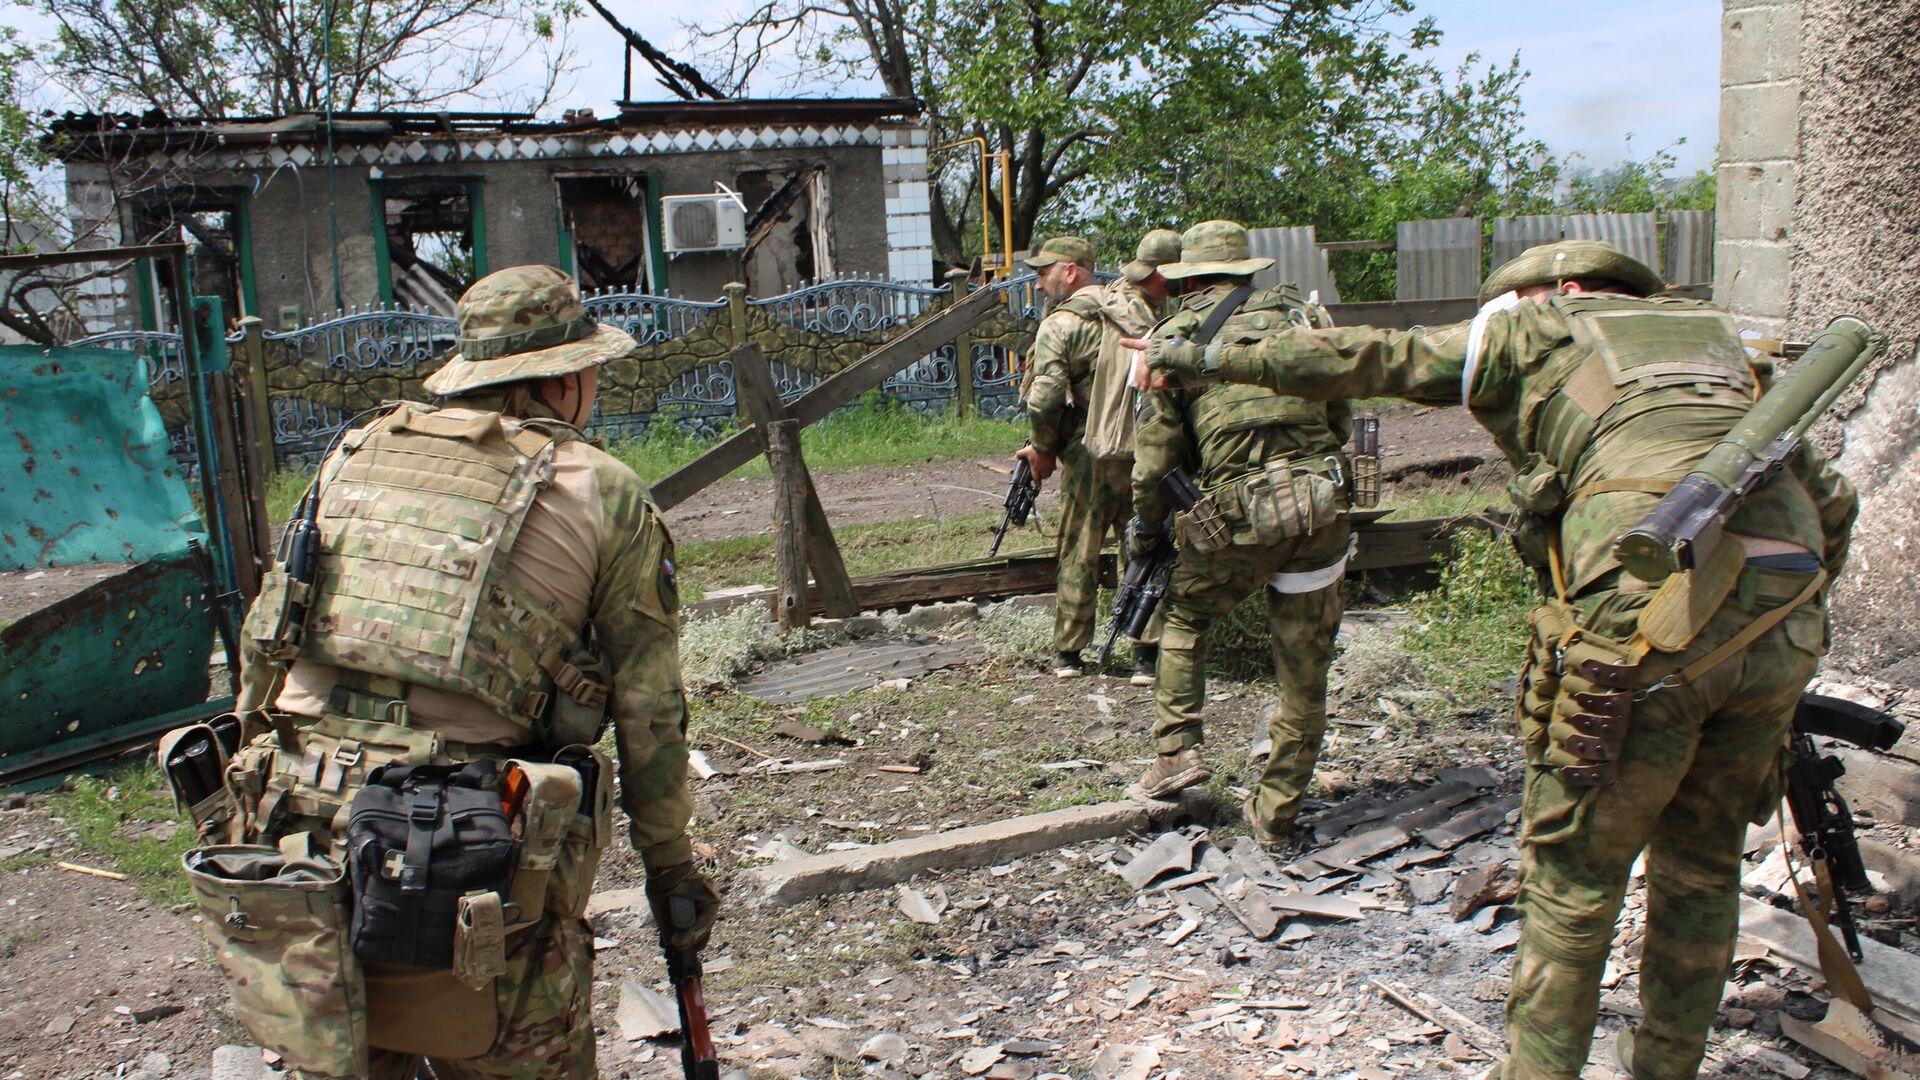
1286 838
1145 659
1172 773
1067 665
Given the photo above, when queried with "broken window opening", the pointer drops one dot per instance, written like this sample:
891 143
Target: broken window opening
436 244
788 232
607 222
213 225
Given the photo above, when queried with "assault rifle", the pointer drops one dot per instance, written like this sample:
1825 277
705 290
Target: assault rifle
697 1057
1819 813
1021 491
1145 582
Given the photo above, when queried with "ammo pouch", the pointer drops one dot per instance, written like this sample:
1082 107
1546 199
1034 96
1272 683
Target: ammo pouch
194 759
419 839
279 792
278 928
578 712
1282 502
276 621
1202 527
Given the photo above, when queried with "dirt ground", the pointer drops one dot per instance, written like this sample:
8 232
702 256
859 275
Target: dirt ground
1047 965
1413 439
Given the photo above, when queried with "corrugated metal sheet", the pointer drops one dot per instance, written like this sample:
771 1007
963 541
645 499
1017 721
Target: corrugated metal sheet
1297 259
1689 247
1631 233
1438 259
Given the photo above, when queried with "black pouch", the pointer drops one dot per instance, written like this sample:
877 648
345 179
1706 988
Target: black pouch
420 837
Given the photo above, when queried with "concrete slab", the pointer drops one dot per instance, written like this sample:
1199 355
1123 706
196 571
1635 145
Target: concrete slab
976 845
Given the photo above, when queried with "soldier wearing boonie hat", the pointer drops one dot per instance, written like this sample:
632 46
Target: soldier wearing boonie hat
493 585
1276 475
1653 719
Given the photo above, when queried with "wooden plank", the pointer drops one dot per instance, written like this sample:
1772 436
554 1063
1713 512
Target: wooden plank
736 450
1359 245
790 606
834 587
1403 314
871 370
1892 975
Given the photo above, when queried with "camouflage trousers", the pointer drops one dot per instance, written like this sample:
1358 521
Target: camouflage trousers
1699 762
1207 587
1096 497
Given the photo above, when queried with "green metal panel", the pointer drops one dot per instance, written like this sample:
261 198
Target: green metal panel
85 475
243 240
382 260
119 662
656 236
564 259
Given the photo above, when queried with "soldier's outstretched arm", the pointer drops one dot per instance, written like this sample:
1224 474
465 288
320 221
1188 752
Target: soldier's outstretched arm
1424 364
636 618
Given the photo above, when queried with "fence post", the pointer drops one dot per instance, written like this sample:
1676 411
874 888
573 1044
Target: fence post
736 314
792 608
255 392
965 407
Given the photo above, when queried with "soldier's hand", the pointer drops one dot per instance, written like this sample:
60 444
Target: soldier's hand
1175 354
1040 462
1141 542
684 905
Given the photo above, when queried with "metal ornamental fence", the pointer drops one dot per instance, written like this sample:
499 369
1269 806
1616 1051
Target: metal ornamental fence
318 377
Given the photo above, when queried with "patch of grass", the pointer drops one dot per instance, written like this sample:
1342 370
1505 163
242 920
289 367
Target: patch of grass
23 862
284 491
103 811
877 431
1472 631
10 944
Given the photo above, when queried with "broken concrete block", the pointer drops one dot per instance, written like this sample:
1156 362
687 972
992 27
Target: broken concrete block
885 1047
937 616
1886 787
644 1013
238 1063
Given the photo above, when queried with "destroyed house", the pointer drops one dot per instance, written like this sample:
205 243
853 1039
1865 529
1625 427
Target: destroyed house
294 217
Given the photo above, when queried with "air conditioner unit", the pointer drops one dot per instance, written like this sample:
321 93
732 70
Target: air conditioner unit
715 222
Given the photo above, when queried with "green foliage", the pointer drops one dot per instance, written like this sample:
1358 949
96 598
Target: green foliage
110 818
219 58
1472 629
284 491
1637 187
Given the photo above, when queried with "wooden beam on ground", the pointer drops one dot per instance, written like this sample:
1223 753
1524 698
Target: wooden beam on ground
790 607
790 881
1892 975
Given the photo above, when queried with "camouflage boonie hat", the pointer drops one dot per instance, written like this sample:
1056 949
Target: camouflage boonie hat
1062 249
524 322
1215 247
1157 248
1550 264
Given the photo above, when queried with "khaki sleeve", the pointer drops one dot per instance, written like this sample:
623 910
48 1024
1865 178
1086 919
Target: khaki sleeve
1160 445
1059 346
1424 364
1838 502
636 620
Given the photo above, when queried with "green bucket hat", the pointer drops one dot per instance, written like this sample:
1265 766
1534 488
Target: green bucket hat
1157 248
1550 264
1062 249
524 322
1215 247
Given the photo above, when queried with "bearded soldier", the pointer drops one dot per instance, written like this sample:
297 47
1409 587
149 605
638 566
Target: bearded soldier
1653 718
1080 406
1275 521
490 588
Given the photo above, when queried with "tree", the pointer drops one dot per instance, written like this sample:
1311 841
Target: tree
1634 186
222 58
1122 114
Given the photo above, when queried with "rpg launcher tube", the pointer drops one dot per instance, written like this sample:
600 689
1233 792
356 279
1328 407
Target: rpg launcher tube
1687 523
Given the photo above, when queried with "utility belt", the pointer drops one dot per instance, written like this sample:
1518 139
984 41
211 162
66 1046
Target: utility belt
1578 687
1282 500
396 850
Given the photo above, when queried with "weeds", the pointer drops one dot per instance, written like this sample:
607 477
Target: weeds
108 816
284 490
1472 629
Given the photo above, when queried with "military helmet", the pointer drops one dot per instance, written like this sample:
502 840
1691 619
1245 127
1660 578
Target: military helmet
1215 247
1158 248
1550 264
524 322
1062 249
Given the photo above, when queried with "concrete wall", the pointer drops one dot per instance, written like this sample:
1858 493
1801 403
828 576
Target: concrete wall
1819 215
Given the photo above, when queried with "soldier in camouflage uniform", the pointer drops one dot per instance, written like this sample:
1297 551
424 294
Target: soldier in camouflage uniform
1602 395
407 508
1076 352
1274 470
